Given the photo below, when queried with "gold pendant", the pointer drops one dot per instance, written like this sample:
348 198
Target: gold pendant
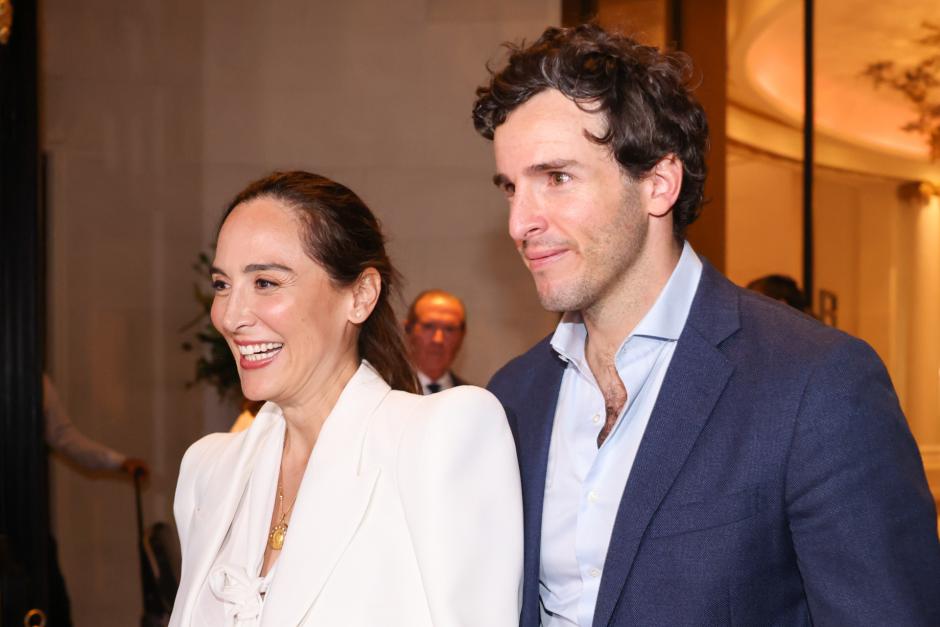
277 535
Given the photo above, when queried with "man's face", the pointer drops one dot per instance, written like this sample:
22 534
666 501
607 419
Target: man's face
578 221
436 334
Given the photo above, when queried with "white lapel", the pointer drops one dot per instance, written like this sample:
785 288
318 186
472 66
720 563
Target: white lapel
332 500
217 497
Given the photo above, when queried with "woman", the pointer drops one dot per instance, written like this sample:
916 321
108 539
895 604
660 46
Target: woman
350 500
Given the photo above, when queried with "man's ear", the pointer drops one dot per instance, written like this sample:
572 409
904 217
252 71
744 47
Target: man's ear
365 292
665 180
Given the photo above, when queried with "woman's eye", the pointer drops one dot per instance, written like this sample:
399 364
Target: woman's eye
264 284
218 285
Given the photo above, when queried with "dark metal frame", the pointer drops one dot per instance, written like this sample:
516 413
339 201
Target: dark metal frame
24 493
809 126
574 12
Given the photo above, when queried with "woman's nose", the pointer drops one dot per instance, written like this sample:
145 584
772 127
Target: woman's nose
235 312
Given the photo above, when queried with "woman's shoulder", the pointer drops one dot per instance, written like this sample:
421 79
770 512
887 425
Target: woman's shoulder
212 445
462 401
209 445
453 441
454 415
204 452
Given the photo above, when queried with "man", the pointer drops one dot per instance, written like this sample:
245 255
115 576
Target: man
691 453
435 327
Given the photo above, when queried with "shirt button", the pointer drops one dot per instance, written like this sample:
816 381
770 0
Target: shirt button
596 419
595 572
592 496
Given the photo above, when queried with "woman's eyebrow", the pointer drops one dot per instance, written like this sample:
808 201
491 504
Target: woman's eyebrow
262 267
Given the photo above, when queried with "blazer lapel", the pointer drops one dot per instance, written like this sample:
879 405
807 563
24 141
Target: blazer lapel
695 380
535 417
333 498
218 499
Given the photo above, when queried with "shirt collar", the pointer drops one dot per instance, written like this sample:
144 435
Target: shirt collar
446 380
664 320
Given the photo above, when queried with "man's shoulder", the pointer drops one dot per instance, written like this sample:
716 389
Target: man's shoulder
774 340
522 369
778 326
725 312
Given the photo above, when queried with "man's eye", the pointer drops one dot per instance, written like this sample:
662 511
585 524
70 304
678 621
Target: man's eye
559 178
264 284
509 189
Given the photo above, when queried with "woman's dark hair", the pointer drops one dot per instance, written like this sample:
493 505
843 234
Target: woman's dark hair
643 93
344 238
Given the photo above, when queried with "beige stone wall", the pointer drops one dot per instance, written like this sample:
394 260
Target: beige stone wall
121 96
764 218
155 114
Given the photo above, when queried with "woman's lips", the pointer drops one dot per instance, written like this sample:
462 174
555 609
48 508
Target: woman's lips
252 364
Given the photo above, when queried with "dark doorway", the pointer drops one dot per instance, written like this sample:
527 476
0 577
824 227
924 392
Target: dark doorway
24 515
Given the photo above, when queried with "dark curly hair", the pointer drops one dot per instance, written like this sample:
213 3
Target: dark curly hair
344 238
643 93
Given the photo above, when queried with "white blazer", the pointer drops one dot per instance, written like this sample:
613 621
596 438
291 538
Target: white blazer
409 513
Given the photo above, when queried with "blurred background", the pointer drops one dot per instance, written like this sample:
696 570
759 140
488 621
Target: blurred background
140 120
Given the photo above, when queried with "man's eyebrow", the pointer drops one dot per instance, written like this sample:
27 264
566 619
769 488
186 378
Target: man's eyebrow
499 180
557 164
263 267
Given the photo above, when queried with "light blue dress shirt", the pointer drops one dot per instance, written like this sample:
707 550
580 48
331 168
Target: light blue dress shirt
584 483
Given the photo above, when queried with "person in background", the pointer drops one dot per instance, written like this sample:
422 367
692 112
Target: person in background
692 453
435 328
63 437
780 287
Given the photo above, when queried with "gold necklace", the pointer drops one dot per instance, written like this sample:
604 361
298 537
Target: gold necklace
279 531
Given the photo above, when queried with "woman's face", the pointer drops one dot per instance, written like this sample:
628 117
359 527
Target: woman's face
287 325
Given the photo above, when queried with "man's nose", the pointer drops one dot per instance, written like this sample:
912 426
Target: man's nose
526 217
438 336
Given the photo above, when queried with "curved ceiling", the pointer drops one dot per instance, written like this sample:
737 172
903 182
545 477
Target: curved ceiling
766 61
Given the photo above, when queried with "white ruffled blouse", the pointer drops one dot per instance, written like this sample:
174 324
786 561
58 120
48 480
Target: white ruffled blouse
233 593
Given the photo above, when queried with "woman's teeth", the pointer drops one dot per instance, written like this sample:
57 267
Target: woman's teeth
257 352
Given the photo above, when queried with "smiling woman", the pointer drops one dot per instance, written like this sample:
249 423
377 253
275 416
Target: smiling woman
350 500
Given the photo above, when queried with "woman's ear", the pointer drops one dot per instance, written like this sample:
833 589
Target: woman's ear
365 292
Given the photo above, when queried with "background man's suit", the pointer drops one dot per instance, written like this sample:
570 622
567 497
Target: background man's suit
777 481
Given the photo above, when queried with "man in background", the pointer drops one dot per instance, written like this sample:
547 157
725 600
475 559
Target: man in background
435 328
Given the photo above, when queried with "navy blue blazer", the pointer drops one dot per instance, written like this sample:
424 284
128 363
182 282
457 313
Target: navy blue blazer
777 482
